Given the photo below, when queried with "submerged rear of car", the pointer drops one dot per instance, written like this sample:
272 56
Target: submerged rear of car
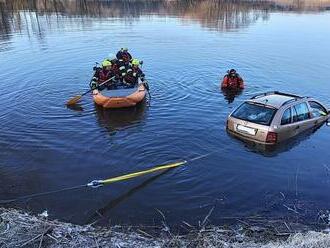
273 117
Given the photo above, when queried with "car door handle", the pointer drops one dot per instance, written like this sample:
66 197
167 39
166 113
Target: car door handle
297 127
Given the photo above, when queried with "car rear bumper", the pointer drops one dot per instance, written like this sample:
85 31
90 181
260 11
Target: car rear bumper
246 138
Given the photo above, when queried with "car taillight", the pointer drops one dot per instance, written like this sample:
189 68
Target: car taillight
271 137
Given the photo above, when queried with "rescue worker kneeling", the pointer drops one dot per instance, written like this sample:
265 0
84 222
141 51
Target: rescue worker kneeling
232 81
134 74
103 75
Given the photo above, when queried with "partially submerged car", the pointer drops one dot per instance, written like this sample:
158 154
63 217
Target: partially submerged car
273 117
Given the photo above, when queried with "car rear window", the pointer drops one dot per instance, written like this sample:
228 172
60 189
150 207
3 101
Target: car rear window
255 113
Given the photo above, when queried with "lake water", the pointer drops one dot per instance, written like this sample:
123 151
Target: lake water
47 51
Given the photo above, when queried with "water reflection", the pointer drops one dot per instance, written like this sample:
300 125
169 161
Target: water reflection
231 94
187 114
221 15
76 107
103 214
118 119
4 21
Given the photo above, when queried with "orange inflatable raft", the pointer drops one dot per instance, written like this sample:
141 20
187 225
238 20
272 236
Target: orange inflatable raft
120 98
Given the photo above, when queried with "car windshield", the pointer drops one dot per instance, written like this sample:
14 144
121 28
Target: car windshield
317 110
255 113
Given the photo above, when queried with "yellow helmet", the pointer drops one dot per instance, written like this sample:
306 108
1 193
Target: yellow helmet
106 63
135 62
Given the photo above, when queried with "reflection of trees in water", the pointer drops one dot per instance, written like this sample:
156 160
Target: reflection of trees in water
15 20
303 5
216 14
4 21
222 14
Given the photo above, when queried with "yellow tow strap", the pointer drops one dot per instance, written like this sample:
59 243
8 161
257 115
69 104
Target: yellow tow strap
97 183
141 173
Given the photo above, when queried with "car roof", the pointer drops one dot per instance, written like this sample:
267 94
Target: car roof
274 99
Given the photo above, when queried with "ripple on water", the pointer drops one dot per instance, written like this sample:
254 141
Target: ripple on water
45 145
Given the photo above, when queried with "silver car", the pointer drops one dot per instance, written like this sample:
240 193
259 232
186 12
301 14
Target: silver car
273 117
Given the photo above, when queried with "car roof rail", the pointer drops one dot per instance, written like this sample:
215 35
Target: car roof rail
289 101
275 93
263 94
288 94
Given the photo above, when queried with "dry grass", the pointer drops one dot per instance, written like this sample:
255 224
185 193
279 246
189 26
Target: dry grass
18 229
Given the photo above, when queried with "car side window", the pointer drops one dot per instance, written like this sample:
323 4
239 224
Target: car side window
286 117
317 109
294 115
300 112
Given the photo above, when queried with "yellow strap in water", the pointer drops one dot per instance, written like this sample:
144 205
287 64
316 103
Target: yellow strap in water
141 173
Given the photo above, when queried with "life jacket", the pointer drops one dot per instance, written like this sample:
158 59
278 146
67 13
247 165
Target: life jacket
115 69
137 72
133 74
130 78
104 75
122 67
235 82
127 57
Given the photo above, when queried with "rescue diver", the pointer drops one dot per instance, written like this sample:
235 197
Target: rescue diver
232 81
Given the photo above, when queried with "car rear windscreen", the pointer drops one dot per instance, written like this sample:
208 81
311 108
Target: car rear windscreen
255 113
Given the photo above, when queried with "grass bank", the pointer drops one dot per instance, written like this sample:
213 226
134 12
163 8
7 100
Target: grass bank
20 229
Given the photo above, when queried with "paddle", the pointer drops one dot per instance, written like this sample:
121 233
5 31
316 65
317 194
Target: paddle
76 99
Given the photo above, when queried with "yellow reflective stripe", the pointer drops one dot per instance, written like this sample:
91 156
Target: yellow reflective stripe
141 173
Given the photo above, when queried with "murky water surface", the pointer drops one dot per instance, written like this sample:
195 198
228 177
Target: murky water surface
47 50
